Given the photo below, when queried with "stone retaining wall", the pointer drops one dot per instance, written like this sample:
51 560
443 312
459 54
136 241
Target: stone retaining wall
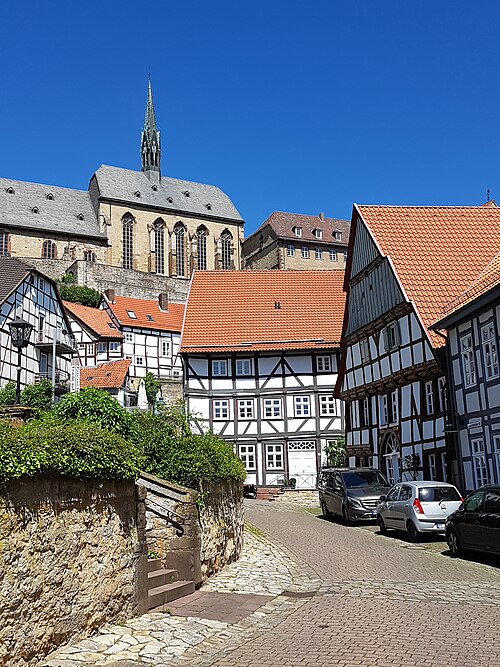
306 498
72 557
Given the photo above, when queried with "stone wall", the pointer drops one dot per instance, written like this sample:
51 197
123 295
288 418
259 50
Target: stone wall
72 557
197 539
306 498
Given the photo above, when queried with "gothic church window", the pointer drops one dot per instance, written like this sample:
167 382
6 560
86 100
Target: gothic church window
89 255
180 250
159 232
201 242
128 241
4 243
226 239
49 250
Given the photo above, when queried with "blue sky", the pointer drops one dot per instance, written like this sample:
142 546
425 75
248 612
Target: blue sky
286 105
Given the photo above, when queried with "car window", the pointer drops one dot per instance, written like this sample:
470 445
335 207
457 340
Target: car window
393 493
338 480
357 478
492 501
406 492
474 502
435 494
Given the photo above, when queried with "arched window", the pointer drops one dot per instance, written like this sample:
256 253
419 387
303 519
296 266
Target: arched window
226 240
49 250
89 255
159 233
4 243
128 241
180 250
201 243
391 456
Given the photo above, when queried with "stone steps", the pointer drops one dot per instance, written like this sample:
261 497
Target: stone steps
163 584
268 492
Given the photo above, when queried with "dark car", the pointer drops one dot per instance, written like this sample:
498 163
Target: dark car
352 493
475 526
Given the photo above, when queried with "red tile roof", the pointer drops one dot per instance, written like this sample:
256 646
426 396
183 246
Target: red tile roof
97 320
263 310
283 224
168 320
110 375
437 251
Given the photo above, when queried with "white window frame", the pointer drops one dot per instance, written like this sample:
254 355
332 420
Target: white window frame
243 367
327 405
305 252
129 338
324 363
114 346
391 336
394 407
297 231
90 349
246 408
220 409
318 233
479 461
165 347
468 360
220 367
365 404
274 457
490 351
136 360
272 408
384 410
132 314
101 347
318 253
429 398
337 235
247 454
302 406
290 250
333 256
441 389
431 458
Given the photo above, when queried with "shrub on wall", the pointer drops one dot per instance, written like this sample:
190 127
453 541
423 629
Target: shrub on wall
77 293
38 396
8 394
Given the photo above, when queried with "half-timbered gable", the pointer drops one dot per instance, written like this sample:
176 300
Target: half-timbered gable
405 263
26 293
97 337
473 325
260 352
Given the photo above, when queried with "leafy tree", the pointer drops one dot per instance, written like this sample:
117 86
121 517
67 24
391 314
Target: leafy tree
8 394
152 388
412 466
38 396
77 293
336 453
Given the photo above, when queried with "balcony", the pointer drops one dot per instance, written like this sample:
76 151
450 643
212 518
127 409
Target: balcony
65 343
62 381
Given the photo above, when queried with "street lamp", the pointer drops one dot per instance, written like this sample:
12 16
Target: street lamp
20 332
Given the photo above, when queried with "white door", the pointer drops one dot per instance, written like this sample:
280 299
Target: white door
302 465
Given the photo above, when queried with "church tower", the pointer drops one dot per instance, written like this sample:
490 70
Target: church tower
150 141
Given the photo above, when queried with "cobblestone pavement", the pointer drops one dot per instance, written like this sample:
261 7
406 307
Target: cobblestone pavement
332 595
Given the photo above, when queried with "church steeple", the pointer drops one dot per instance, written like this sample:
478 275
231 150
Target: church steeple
150 141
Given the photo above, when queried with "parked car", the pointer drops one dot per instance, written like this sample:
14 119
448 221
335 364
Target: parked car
476 523
352 493
418 507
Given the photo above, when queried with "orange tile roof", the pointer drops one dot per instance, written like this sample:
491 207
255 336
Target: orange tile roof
437 251
110 375
96 320
485 281
236 311
169 320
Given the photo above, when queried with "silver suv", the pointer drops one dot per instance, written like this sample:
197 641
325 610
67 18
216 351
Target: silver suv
418 507
352 493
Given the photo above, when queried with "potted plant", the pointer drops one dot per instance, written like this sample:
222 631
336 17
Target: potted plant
292 482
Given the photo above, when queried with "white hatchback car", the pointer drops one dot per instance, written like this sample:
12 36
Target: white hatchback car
418 507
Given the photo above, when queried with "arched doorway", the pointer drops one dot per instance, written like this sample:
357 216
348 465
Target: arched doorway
391 458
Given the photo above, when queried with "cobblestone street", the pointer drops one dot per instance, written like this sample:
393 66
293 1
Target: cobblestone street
318 593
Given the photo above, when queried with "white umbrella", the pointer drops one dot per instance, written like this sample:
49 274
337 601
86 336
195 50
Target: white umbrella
142 399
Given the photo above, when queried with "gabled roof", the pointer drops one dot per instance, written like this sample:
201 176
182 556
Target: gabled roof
263 310
110 375
94 319
437 251
144 309
488 279
123 185
12 273
283 226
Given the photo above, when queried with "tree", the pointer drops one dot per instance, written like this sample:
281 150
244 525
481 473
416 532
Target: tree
152 388
77 293
412 465
336 453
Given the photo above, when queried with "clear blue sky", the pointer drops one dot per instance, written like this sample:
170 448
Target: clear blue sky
301 106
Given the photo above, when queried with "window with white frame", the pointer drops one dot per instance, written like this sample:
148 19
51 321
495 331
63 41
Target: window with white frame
165 348
324 364
297 231
441 392
139 361
318 233
101 347
247 455
274 457
394 406
290 250
468 361
243 367
327 405
479 459
272 408
131 314
128 336
333 255
496 454
219 367
365 412
390 336
384 410
245 408
318 253
305 252
364 350
90 349
345 256
302 406
429 398
490 351
337 235
114 346
431 458
221 409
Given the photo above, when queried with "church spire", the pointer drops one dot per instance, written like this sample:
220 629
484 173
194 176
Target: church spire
150 141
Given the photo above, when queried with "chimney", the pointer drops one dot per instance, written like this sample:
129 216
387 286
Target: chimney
321 216
163 301
110 295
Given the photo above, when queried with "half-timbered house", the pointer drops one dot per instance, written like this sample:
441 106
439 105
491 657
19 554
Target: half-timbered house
260 352
111 376
473 324
26 293
404 265
97 337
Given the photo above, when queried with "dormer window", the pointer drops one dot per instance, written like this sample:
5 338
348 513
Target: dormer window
80 217
11 191
35 210
50 196
318 233
337 235
187 193
131 314
170 200
297 231
149 318
138 194
209 206
154 187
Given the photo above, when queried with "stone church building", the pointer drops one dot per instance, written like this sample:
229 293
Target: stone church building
133 220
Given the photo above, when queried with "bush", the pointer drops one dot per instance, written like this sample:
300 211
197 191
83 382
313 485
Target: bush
8 394
96 406
73 449
38 396
78 293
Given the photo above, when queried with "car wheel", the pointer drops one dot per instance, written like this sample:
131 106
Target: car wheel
324 511
381 525
346 516
454 544
413 534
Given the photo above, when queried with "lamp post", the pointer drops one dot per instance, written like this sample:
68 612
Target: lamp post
20 332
